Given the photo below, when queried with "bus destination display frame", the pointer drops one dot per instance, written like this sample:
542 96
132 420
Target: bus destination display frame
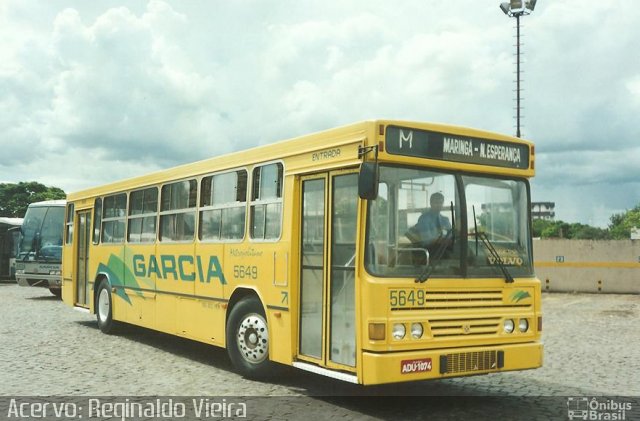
456 148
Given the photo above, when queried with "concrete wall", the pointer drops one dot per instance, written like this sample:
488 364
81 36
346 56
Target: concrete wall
588 266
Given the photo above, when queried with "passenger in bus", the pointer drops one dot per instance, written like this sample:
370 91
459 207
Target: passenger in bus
432 227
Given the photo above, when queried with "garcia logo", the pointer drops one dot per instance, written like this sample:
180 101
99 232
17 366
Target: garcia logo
183 268
415 366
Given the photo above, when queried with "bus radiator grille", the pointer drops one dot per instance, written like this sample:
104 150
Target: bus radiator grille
469 362
480 326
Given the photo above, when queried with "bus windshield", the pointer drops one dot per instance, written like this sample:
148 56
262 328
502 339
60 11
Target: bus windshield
497 209
42 234
417 222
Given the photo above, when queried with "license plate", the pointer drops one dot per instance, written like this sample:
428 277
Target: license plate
415 366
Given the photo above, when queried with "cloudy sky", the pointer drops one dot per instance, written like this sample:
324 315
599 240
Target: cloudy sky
92 92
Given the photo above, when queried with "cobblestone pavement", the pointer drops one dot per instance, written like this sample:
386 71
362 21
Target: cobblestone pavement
592 348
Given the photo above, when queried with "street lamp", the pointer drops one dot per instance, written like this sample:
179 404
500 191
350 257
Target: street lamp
517 8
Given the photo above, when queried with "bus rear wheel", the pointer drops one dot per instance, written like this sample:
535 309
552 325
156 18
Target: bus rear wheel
56 291
248 339
104 308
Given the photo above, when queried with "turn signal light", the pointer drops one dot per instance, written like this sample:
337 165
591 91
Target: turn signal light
377 331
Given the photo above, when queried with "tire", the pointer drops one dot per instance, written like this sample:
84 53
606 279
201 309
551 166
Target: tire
104 308
248 339
56 291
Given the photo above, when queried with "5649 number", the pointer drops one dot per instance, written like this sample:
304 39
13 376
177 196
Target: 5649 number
407 297
245 272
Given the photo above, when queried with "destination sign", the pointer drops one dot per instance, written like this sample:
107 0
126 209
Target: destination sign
449 147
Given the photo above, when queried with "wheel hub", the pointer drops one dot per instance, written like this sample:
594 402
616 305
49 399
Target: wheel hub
103 305
253 338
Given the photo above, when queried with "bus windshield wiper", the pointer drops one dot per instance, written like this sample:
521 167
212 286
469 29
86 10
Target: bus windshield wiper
27 254
498 260
33 246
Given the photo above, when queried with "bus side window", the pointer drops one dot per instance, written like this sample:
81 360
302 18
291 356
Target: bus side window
143 210
97 220
266 202
177 211
223 200
69 224
113 218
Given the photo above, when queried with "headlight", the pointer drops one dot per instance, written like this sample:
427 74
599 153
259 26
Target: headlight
508 326
416 330
523 325
398 331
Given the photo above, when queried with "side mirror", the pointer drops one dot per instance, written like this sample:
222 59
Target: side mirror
368 181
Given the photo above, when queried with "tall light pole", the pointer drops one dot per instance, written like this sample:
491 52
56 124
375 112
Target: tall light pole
517 8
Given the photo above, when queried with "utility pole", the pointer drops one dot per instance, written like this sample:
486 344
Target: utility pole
518 8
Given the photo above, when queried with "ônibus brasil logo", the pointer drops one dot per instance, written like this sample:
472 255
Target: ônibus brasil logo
583 408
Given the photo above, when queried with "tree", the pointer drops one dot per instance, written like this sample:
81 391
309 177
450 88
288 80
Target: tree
539 225
622 223
557 229
561 229
579 231
15 198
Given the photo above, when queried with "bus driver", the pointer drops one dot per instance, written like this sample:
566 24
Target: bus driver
431 226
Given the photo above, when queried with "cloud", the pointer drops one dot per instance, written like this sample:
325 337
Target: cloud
633 86
118 88
370 66
125 89
103 91
589 167
580 71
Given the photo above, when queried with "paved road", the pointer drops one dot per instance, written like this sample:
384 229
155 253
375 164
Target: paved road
592 348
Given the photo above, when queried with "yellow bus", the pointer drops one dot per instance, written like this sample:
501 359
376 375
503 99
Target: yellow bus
379 252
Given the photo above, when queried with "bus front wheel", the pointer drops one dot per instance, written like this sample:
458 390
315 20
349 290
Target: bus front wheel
248 339
104 308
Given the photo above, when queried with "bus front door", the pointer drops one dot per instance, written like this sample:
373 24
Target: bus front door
82 270
327 335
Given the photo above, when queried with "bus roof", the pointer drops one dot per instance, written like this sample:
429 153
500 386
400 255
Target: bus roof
360 132
48 203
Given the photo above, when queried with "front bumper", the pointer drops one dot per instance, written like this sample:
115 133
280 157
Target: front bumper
451 362
39 280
